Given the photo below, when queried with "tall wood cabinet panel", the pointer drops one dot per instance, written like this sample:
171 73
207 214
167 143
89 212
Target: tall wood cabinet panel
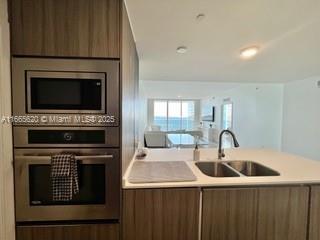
161 214
130 83
264 213
7 230
69 232
72 28
314 226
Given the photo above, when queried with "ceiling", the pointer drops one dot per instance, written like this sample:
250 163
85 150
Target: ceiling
287 31
184 90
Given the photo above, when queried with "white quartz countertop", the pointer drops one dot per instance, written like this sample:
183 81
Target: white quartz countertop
293 169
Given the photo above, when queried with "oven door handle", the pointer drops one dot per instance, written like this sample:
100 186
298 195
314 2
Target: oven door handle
77 157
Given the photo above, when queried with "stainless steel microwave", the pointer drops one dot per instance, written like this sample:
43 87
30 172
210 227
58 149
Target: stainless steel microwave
99 186
51 90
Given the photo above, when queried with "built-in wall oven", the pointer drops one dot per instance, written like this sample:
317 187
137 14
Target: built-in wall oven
66 106
52 90
98 174
98 196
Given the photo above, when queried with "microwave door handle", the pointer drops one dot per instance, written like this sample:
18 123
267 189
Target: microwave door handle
77 157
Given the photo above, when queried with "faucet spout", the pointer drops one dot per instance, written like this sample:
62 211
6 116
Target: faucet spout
221 150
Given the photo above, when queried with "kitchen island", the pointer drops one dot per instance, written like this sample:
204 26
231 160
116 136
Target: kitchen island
293 169
261 207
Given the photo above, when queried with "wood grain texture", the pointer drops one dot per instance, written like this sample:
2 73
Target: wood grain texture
265 213
7 228
229 214
283 213
314 224
161 214
73 28
75 232
130 82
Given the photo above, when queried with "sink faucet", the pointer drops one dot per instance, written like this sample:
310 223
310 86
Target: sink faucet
221 150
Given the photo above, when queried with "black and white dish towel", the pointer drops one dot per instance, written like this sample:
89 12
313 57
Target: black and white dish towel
64 177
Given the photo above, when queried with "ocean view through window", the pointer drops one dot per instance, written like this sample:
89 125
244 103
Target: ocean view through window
173 115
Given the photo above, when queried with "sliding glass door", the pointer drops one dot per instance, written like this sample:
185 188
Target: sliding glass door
174 115
160 114
188 115
227 116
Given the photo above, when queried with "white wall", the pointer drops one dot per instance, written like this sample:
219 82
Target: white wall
7 230
257 107
301 118
257 114
142 112
279 116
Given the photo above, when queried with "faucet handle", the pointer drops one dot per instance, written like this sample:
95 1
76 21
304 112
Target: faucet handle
222 153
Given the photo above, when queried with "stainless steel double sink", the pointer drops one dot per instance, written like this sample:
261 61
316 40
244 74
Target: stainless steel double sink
235 169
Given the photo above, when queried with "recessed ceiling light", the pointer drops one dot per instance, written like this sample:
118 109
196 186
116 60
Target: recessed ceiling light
182 49
200 17
249 52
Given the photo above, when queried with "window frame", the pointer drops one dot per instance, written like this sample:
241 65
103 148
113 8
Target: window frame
167 115
222 114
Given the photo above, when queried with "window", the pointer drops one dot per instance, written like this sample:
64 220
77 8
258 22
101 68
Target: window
172 115
188 115
227 118
160 114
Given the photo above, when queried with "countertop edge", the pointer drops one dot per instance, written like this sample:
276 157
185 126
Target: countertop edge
280 159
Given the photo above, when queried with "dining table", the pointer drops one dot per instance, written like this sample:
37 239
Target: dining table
185 140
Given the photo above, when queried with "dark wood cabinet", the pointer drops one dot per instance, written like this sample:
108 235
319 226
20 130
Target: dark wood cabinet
264 213
69 232
314 226
161 214
283 213
130 84
229 214
73 28
80 29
